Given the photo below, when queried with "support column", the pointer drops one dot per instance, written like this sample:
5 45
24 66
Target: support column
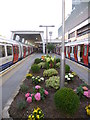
42 36
43 47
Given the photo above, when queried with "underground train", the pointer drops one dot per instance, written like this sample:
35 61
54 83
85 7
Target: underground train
78 51
12 51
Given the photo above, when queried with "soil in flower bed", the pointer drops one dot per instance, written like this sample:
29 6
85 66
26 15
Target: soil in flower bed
48 106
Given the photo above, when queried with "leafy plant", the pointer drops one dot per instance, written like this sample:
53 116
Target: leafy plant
37 80
35 68
37 60
66 100
37 114
69 77
57 60
21 105
24 88
50 72
41 65
88 109
39 93
67 68
28 76
46 65
53 81
80 91
58 65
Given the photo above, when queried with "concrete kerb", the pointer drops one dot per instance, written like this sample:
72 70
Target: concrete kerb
5 113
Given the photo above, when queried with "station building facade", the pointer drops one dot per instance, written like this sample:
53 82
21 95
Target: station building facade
77 25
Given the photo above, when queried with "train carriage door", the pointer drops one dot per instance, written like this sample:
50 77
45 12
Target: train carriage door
78 54
85 54
9 54
14 54
81 53
2 56
65 51
17 53
75 53
89 56
69 52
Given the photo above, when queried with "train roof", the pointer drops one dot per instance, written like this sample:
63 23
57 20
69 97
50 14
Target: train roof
7 41
12 42
79 42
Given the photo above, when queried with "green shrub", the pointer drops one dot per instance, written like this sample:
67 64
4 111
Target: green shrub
35 68
21 105
67 68
66 100
50 72
24 88
57 60
53 81
41 65
37 60
58 65
47 65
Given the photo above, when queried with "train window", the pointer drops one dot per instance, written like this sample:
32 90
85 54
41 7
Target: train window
85 50
2 51
72 49
9 50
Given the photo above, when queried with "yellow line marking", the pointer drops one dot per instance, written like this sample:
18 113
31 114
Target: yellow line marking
13 66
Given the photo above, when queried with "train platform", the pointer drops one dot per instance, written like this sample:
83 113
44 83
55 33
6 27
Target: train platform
12 77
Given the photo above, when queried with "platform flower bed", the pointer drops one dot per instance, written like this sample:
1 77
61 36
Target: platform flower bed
27 100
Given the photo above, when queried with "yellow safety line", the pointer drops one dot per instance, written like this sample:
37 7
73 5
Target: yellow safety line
13 66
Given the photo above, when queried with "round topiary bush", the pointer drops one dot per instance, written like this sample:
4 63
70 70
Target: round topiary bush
37 61
67 68
35 68
66 100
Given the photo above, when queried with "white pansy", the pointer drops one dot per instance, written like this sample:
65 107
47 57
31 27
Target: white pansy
71 75
68 79
33 77
42 78
66 76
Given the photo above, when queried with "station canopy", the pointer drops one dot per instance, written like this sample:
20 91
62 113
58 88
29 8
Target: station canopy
30 36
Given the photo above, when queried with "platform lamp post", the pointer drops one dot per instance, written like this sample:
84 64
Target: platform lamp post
46 26
50 34
62 68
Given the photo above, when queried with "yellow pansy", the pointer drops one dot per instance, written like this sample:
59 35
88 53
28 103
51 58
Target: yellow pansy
32 116
37 116
29 117
88 112
35 111
39 112
38 108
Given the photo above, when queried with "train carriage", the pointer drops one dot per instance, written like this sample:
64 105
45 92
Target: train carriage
79 51
6 54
